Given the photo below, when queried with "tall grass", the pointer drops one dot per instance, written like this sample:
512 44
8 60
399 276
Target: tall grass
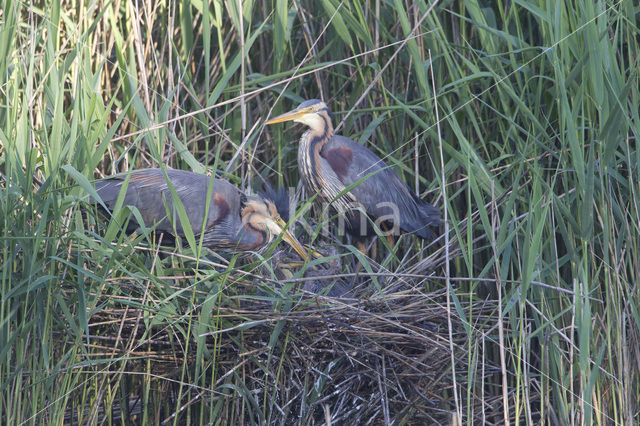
538 109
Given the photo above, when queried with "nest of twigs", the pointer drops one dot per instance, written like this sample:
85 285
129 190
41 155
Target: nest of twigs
383 354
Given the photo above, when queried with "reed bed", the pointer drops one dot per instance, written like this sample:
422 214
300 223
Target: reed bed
518 119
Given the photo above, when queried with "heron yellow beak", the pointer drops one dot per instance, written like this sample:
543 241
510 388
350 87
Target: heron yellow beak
289 116
277 226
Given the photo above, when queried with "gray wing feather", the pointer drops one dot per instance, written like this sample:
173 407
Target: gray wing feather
384 189
149 192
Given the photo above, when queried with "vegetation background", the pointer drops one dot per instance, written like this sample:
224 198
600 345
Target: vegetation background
519 119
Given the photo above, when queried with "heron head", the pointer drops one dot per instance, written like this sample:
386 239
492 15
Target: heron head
280 198
313 113
261 215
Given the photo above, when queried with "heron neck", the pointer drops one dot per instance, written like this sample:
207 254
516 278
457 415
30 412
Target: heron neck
316 137
311 143
254 238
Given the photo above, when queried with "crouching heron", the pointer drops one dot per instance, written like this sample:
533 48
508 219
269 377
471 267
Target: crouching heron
234 222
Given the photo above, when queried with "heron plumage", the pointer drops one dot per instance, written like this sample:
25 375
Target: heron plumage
234 222
330 163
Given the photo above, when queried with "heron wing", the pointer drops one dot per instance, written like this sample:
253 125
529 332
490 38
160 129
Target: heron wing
149 192
382 193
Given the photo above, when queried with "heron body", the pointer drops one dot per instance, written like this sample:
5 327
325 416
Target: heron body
234 222
330 163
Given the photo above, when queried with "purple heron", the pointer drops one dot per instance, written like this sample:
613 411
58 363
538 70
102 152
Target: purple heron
234 223
354 180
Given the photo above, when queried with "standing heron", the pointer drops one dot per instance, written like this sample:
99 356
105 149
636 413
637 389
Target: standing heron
234 222
330 163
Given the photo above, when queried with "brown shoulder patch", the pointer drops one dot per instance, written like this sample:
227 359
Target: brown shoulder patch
339 159
223 208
